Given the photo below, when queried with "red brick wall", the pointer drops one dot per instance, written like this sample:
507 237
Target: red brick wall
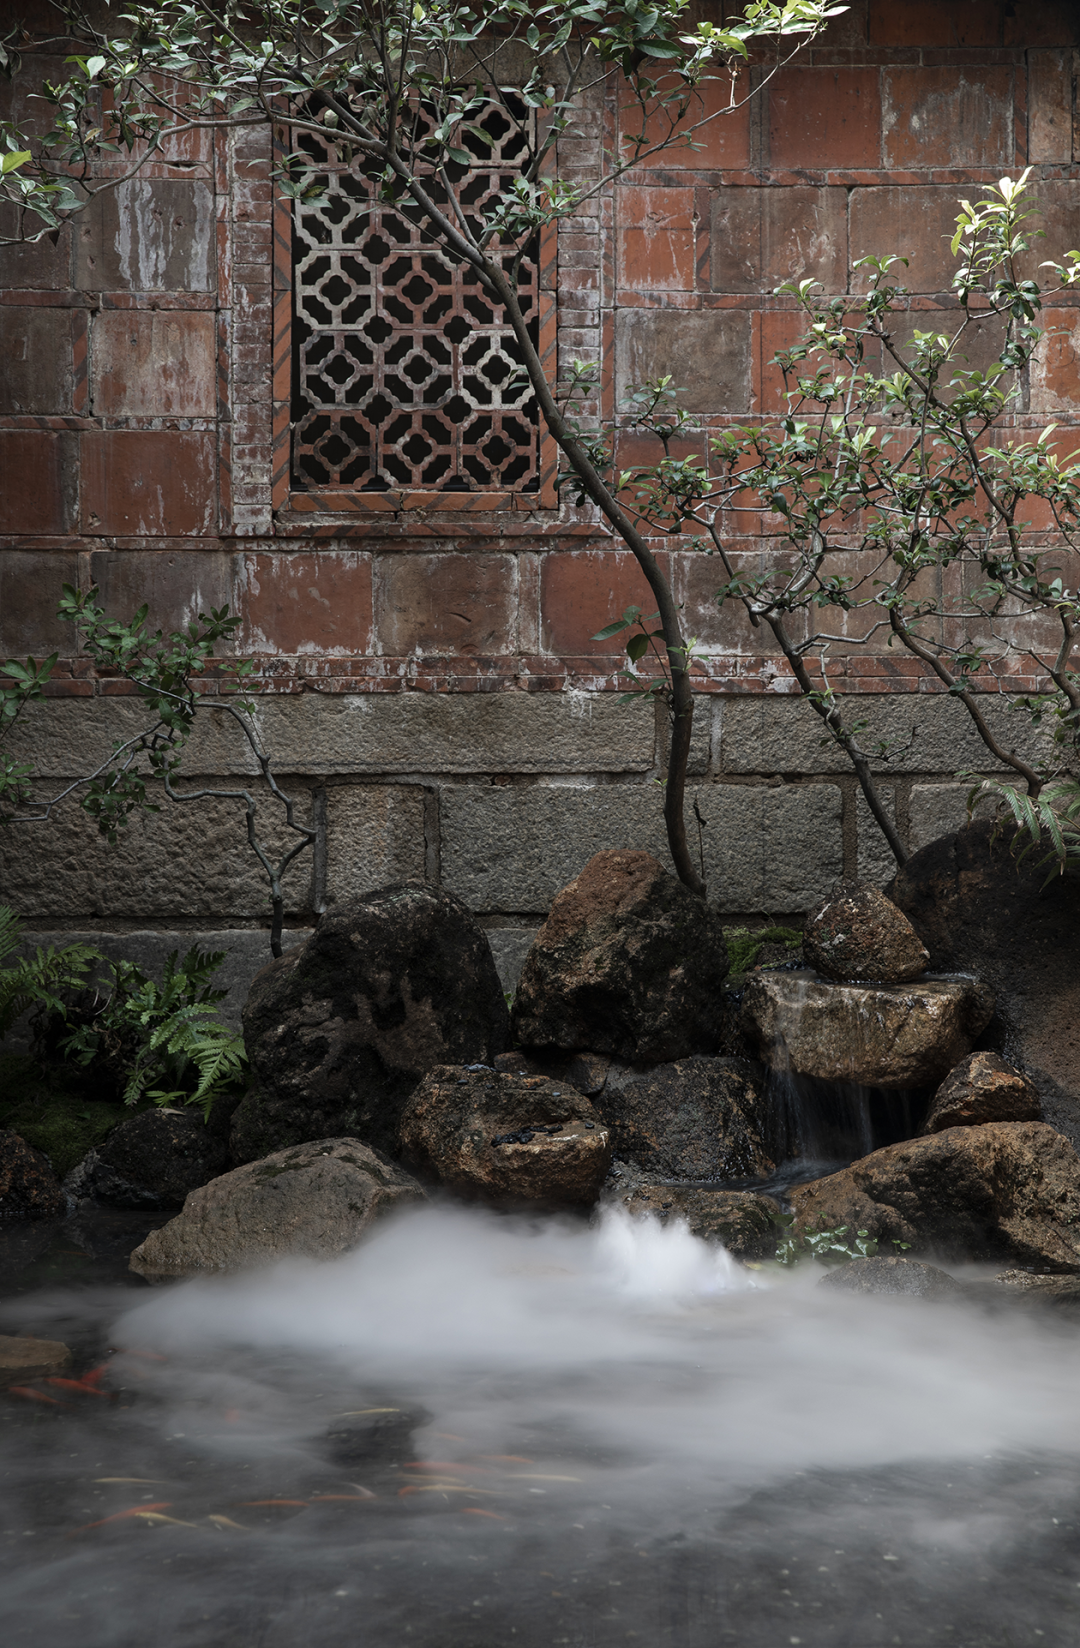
136 439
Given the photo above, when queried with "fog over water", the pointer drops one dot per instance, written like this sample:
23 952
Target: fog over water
617 1436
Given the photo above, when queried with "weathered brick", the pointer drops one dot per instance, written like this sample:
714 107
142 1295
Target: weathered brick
176 585
147 235
723 141
156 482
435 603
583 591
773 850
154 363
825 117
39 478
935 23
1050 107
948 117
375 837
304 603
42 265
30 586
656 239
1055 370
763 237
707 353
916 223
35 347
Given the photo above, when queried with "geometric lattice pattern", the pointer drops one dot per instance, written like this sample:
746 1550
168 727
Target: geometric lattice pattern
403 374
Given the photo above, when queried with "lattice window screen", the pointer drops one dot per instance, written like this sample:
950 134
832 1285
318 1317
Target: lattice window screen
403 375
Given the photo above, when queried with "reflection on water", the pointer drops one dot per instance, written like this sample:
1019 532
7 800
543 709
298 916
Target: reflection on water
476 1432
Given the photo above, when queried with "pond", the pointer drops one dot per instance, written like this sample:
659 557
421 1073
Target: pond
480 1431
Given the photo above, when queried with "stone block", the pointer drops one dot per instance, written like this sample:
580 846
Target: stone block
510 946
154 364
151 482
375 837
151 234
943 116
926 734
302 603
875 861
824 117
191 861
36 349
30 586
583 591
462 604
937 809
39 482
68 737
247 950
763 237
772 850
503 732
705 352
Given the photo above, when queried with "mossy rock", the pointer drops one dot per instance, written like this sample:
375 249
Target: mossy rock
63 1124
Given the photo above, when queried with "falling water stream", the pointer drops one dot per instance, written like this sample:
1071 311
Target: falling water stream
486 1432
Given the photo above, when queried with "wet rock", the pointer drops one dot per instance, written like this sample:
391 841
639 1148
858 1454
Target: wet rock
151 1161
507 1139
29 1189
1006 1193
628 963
889 1035
585 1071
1061 1293
743 1221
884 1274
22 1359
977 911
858 933
341 1029
314 1200
983 1088
695 1118
376 1435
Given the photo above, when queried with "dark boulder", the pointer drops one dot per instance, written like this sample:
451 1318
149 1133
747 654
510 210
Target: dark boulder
340 1030
859 934
151 1160
884 1274
982 1088
507 1139
29 1189
743 1221
313 1201
629 963
977 911
1003 1193
695 1118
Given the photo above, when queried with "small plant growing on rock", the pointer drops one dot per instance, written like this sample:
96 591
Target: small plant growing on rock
828 1247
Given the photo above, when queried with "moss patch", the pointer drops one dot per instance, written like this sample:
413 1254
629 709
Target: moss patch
62 1123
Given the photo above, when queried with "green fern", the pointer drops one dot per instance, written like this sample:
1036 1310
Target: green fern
745 946
38 980
1054 812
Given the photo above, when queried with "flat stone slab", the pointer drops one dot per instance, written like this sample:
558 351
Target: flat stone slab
22 1359
883 1035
